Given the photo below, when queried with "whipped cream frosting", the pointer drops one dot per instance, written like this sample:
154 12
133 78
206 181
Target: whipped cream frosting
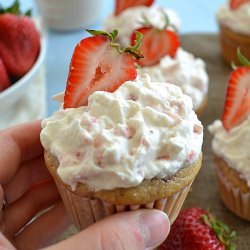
143 130
233 146
237 20
184 70
132 19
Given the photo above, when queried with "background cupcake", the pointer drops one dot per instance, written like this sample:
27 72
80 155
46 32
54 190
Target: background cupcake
129 15
231 144
165 61
138 147
234 22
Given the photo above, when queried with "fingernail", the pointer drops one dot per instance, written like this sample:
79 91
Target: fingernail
155 225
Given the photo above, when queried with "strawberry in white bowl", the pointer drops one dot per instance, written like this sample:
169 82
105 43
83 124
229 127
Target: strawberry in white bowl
231 142
22 51
4 80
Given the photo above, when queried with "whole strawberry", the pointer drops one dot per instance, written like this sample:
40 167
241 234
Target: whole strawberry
19 41
4 78
196 229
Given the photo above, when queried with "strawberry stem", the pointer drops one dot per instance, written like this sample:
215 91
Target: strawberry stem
133 50
167 24
112 35
224 234
146 22
15 9
243 60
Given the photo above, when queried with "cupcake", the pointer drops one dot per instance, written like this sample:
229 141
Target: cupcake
130 17
231 144
165 61
234 22
120 142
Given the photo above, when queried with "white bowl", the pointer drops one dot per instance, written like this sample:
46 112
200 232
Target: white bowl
12 94
65 15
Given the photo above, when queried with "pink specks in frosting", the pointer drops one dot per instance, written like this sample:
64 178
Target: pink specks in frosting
178 106
98 141
132 132
198 129
123 131
93 119
79 156
145 142
132 97
191 155
164 157
126 132
176 118
87 141
99 159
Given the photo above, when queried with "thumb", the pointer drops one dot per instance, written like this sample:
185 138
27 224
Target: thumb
130 230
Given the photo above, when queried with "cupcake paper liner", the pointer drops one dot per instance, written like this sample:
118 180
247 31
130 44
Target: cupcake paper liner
235 200
86 211
230 41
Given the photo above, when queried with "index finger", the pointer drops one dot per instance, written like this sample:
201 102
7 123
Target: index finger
17 145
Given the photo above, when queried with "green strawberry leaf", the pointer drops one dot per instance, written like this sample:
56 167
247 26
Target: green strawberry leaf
243 60
223 232
133 50
14 9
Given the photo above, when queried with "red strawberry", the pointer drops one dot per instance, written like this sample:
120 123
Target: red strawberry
156 44
237 104
19 44
122 5
195 229
4 78
234 4
98 63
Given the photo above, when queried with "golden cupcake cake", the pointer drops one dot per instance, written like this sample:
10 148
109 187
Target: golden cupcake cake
120 141
234 23
231 143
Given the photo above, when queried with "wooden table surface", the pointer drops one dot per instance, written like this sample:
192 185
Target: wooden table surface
204 192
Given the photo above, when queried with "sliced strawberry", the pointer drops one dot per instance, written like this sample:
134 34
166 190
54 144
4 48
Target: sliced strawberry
156 44
237 105
96 64
122 5
234 4
4 78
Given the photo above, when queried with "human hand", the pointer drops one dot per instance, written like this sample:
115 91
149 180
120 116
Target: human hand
28 188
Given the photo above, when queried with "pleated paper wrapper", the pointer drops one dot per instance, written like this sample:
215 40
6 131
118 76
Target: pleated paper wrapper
230 41
235 200
86 211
